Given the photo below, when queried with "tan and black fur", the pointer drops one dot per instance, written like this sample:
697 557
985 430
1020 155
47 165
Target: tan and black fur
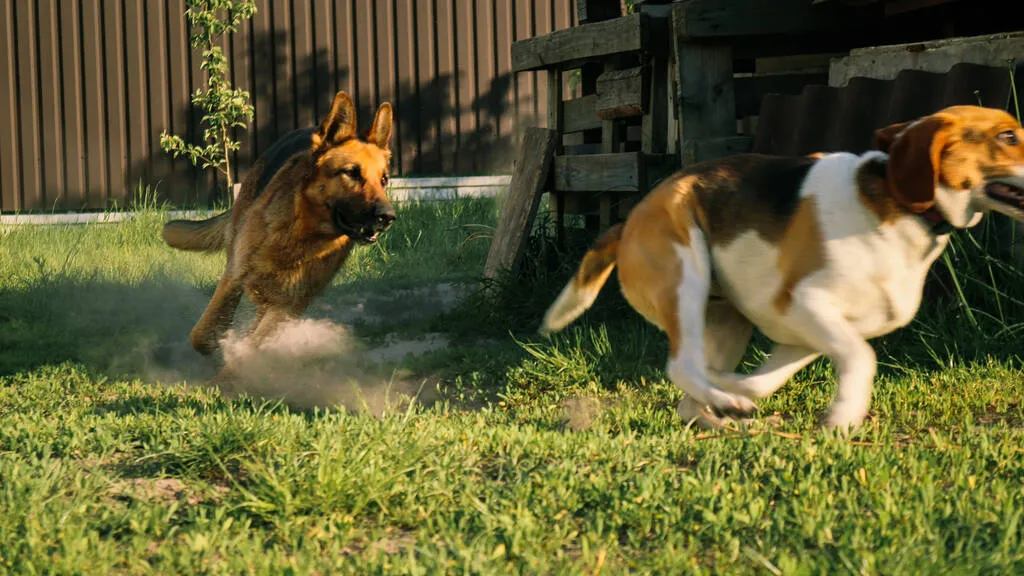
301 207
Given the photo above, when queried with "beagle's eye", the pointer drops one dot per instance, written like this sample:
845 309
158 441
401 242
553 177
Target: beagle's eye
1009 138
384 180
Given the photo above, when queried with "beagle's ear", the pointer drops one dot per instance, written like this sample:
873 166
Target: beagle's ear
884 137
915 153
338 125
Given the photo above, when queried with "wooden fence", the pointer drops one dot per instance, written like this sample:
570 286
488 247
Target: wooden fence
86 87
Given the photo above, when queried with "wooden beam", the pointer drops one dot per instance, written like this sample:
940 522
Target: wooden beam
598 173
706 99
654 128
556 122
520 205
572 46
621 94
701 19
619 172
581 114
701 150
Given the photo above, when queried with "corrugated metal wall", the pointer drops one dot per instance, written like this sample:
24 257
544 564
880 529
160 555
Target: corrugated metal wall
86 87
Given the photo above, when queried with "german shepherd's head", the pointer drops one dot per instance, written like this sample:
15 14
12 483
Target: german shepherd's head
350 180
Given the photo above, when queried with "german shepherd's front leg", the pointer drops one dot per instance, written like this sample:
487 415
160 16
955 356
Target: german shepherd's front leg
216 320
268 320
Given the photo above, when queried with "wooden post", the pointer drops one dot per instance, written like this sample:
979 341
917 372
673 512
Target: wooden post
556 122
706 99
536 154
610 135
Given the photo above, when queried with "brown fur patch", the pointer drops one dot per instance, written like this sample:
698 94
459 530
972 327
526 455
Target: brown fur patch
873 191
649 268
749 192
801 252
598 261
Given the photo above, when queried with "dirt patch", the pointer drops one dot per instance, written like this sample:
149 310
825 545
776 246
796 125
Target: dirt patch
581 412
164 491
392 306
396 349
393 542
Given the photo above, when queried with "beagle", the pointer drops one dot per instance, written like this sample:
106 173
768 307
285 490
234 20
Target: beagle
820 252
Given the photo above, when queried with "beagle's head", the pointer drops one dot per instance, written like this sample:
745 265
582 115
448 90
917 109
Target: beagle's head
963 160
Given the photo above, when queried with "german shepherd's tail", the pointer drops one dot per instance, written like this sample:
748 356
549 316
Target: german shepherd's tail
208 235
580 293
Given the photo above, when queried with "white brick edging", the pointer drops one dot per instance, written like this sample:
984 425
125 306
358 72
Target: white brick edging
399 190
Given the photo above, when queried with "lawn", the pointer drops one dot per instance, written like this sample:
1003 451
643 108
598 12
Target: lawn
493 450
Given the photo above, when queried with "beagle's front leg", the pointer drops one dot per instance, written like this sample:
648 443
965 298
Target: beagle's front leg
825 329
782 363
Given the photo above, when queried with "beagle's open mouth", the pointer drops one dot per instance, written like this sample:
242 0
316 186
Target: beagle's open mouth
1007 191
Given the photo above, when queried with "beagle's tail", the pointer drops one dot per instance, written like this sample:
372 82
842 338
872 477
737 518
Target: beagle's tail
208 235
580 293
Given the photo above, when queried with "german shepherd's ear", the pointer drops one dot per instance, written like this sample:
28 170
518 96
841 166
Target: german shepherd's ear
338 125
380 132
915 152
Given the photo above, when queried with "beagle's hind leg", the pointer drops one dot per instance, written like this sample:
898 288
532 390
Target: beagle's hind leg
727 334
688 360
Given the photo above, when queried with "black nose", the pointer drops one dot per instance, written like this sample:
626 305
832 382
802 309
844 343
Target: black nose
384 216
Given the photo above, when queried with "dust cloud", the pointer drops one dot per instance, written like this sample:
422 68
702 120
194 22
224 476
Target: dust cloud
311 363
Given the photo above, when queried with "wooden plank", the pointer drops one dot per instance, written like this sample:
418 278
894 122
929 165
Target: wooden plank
264 70
305 72
621 94
556 122
697 19
50 94
181 99
598 173
520 205
428 149
580 114
706 100
96 152
654 128
28 96
74 119
242 78
502 85
701 150
324 57
575 45
405 145
526 104
158 100
344 52
613 88
466 78
446 84
139 156
10 171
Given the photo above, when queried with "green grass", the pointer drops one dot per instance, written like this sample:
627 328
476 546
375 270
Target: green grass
529 455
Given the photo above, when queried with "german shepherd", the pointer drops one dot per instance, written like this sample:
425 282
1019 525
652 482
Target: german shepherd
301 208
